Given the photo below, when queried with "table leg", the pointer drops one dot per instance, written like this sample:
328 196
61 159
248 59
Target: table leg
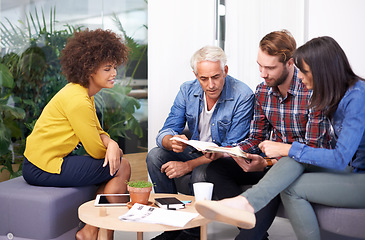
139 235
203 232
103 234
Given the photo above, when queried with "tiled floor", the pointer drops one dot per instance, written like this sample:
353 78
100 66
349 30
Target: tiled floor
280 230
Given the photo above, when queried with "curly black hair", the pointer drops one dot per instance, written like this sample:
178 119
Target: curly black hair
87 50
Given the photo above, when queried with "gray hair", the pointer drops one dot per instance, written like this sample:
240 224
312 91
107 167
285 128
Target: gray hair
208 53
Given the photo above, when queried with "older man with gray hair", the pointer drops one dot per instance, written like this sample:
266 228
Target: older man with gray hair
215 107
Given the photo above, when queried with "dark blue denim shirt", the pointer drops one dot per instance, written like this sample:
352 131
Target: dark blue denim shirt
349 126
230 122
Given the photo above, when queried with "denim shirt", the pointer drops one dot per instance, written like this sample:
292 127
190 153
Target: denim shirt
230 122
349 126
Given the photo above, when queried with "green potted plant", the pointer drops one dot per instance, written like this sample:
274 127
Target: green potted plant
137 63
139 191
30 75
10 132
117 110
116 104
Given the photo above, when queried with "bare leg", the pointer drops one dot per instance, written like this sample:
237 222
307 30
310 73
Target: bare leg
88 232
118 183
115 185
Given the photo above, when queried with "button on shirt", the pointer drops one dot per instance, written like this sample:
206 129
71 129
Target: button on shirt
286 119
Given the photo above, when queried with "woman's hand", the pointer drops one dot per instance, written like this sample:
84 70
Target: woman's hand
274 149
113 155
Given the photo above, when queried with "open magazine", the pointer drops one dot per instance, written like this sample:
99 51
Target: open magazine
212 147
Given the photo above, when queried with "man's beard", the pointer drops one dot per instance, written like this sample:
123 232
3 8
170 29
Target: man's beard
280 80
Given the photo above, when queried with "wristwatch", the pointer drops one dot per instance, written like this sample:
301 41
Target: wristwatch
269 161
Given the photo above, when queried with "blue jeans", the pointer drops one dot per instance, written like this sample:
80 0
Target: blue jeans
317 185
156 157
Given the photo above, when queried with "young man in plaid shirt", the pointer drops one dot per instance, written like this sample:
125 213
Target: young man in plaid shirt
281 114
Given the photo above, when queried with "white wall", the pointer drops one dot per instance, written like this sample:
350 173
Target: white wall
177 28
344 21
247 22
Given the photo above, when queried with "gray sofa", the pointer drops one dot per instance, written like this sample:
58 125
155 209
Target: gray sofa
47 213
335 223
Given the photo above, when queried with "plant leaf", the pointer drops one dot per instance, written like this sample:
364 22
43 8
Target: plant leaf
6 78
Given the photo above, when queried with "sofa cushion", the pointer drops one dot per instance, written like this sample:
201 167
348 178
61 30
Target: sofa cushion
33 212
343 221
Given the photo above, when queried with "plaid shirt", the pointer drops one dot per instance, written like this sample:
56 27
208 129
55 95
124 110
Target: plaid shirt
286 119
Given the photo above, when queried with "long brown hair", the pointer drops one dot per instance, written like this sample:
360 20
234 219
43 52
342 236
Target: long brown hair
331 71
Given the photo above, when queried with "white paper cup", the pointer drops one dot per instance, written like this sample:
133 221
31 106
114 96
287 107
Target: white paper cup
203 191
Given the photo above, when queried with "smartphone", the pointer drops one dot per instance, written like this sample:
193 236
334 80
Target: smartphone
112 200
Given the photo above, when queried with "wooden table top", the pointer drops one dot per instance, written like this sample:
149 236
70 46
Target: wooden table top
90 214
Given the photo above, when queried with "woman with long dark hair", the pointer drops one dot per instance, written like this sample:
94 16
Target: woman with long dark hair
332 177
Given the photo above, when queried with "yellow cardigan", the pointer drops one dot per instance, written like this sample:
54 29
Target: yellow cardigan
69 118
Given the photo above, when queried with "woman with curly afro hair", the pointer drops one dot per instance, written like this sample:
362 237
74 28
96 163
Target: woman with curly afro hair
89 62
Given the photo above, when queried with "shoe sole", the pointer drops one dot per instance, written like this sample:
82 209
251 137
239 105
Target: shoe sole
221 213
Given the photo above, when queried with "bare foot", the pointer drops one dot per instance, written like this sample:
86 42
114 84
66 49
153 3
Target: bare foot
87 233
238 202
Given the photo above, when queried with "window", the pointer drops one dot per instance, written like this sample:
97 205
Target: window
32 35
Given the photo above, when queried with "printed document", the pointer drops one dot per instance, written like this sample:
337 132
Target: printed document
147 214
212 147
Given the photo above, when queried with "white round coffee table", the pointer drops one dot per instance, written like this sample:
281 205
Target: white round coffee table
90 214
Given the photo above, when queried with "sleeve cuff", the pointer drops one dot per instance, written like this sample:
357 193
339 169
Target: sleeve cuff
296 150
162 134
